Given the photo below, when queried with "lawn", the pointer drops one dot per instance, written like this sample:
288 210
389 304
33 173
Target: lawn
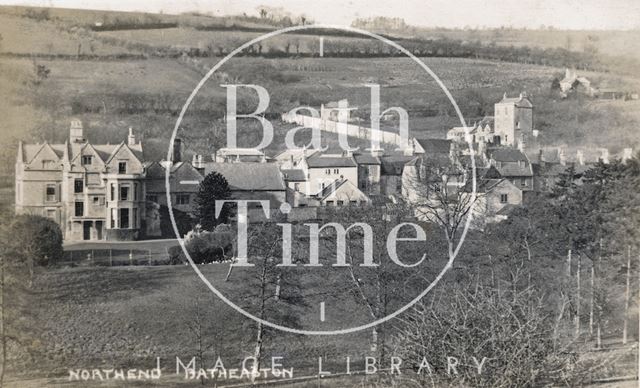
124 316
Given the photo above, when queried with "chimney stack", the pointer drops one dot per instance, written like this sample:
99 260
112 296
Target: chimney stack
562 156
177 151
76 132
580 157
605 156
627 154
198 163
131 139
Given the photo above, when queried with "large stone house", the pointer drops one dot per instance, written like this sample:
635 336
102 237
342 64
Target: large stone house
94 191
513 120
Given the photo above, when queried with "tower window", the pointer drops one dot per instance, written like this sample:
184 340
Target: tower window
78 186
87 160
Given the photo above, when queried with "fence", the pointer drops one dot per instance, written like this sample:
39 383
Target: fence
112 257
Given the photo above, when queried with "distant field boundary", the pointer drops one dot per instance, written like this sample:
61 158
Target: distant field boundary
73 57
133 26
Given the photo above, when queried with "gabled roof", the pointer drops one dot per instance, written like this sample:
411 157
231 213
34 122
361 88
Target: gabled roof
183 171
249 176
30 151
330 160
336 186
136 151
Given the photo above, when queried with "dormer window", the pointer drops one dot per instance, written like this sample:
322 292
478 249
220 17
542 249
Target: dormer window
87 160
122 167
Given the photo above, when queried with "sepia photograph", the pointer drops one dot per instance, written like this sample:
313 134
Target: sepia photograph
296 193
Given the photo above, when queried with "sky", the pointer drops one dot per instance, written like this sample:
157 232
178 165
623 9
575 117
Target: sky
561 14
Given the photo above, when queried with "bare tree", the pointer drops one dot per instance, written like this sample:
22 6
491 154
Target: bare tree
273 291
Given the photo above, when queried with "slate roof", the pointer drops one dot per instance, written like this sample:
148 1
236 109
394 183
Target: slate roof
520 101
249 176
294 175
330 160
366 159
181 171
507 209
435 146
394 164
507 155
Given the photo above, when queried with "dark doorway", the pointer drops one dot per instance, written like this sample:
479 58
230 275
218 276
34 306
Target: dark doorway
86 230
99 230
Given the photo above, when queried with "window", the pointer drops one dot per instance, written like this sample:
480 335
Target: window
399 185
340 203
122 167
124 193
48 164
51 193
124 218
523 181
135 218
152 198
504 198
354 202
113 192
296 186
96 200
135 191
327 171
336 171
295 164
79 209
182 199
329 203
78 186
113 218
87 160
506 138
